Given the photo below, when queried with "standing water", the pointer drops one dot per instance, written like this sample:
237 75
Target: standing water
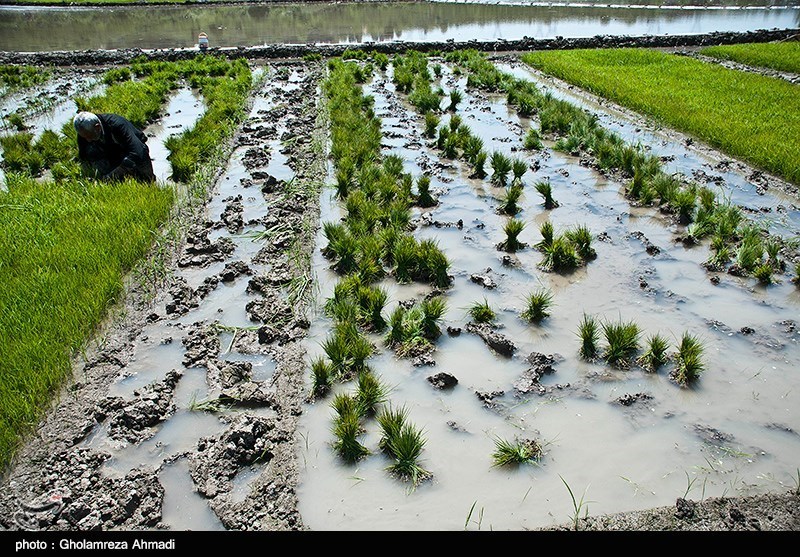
618 439
39 29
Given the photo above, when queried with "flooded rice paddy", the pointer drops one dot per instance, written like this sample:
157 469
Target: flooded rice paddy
41 29
734 432
624 439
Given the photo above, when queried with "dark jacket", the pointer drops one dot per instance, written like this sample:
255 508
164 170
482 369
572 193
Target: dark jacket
122 144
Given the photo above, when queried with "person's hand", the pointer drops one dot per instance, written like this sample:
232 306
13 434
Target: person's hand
114 175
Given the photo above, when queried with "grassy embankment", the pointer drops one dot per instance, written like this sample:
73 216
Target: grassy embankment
67 242
784 57
748 116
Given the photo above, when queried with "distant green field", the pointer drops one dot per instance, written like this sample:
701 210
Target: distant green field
783 57
95 2
748 116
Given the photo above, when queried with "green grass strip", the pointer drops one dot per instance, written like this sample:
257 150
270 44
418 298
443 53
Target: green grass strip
64 249
225 87
784 57
748 116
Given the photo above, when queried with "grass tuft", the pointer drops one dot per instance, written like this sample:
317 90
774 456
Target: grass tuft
589 333
347 428
537 305
622 341
532 141
689 360
482 312
509 202
656 354
519 451
513 228
322 376
501 166
406 447
545 189
371 392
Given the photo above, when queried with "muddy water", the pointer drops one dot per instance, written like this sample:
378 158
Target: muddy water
734 432
48 29
180 113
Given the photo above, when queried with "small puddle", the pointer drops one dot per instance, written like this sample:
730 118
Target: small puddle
183 108
263 367
157 351
223 304
242 482
175 436
183 507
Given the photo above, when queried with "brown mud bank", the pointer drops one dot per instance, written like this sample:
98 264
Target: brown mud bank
267 52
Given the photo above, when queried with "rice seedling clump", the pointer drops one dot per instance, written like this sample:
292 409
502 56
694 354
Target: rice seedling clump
519 451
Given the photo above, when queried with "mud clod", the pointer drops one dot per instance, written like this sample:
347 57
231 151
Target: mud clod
684 509
494 340
631 399
484 280
217 460
200 250
234 270
75 495
201 342
443 380
133 420
541 365
232 217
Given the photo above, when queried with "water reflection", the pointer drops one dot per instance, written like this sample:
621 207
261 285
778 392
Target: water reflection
49 29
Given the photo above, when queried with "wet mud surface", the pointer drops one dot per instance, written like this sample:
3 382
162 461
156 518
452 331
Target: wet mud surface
484 379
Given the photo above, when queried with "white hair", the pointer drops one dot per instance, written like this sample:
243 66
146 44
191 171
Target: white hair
85 121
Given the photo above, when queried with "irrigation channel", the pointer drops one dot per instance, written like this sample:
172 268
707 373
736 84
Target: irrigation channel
218 371
42 29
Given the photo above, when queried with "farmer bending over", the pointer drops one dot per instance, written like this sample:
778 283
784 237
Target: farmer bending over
113 147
